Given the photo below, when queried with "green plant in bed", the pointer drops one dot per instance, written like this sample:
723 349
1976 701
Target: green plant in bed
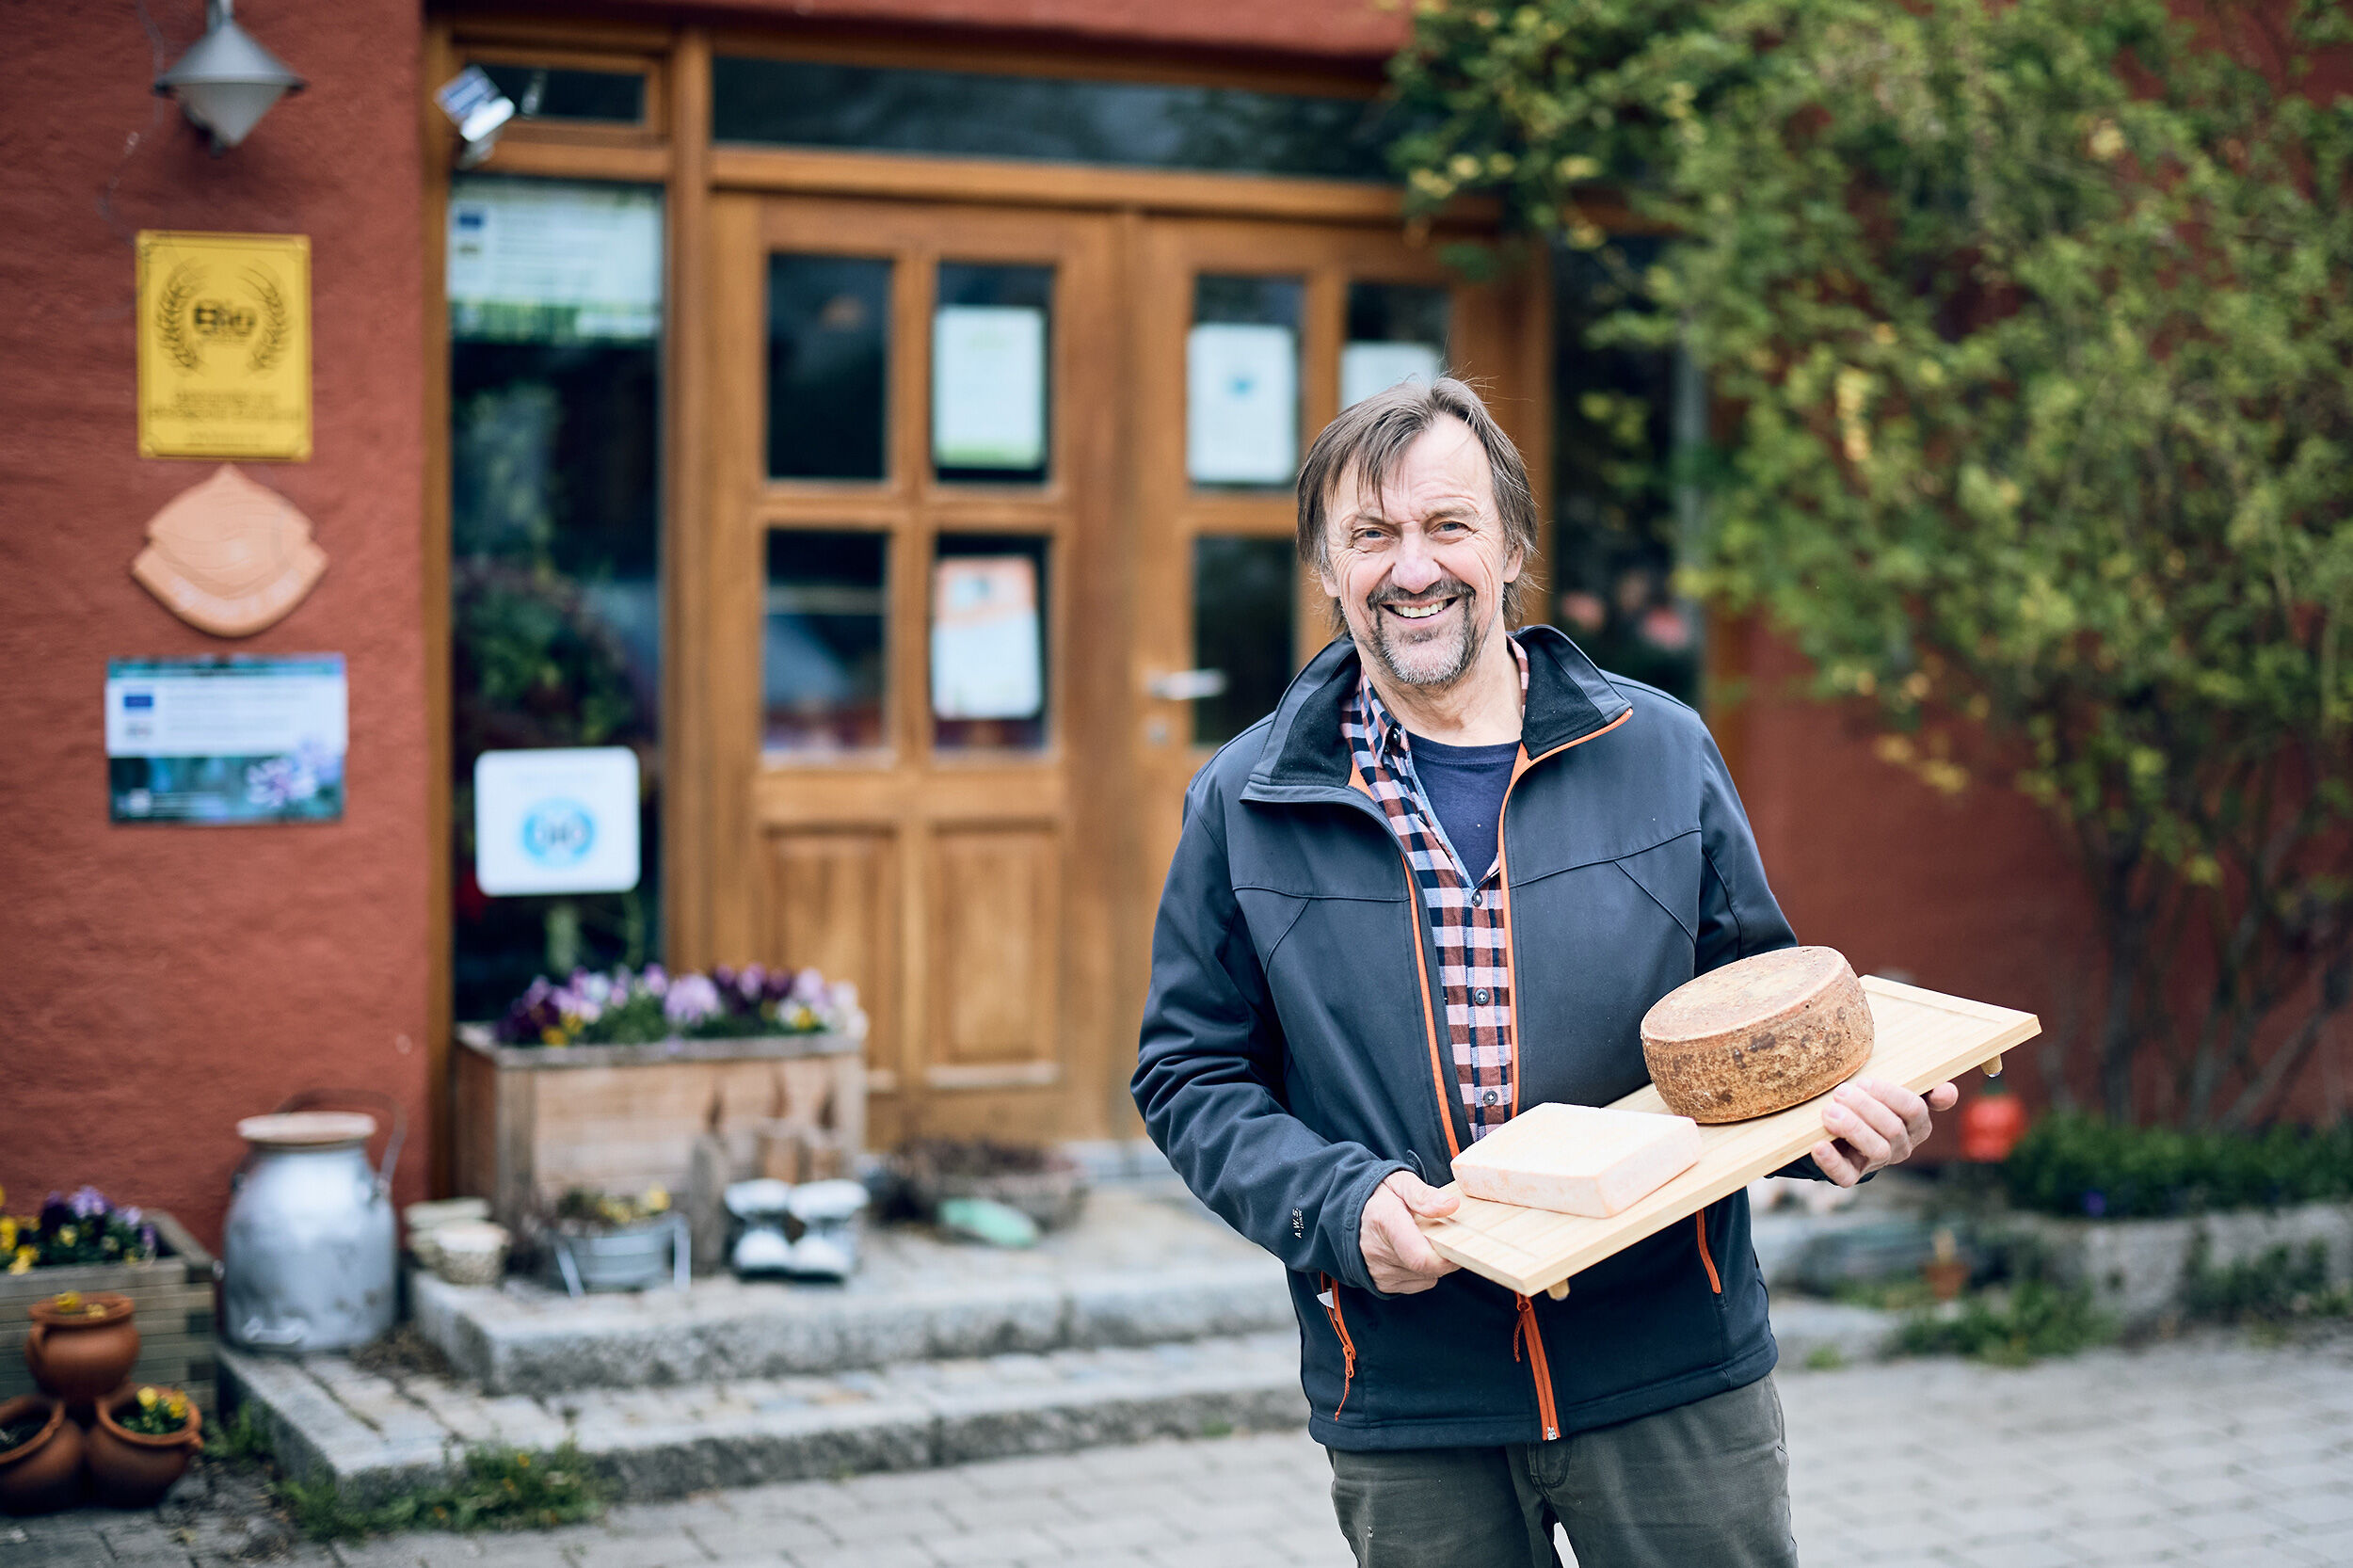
2010 1328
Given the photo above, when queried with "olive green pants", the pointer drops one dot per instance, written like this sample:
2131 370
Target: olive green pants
1703 1486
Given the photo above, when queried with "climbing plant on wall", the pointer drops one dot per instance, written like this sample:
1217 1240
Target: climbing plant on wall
2029 327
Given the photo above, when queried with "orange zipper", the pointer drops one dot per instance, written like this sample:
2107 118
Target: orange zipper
1714 1281
1330 1297
1538 1368
1526 1331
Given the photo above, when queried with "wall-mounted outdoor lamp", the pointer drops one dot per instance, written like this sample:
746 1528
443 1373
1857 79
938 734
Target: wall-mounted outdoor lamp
227 82
478 109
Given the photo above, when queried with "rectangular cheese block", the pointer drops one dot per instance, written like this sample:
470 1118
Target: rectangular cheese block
1578 1158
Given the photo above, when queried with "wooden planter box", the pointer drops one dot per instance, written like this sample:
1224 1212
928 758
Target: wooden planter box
174 1298
531 1121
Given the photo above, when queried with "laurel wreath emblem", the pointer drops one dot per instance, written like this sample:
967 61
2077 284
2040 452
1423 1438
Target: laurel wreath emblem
277 321
171 314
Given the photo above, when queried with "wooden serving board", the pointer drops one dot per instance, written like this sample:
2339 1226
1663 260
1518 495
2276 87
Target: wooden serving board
1923 1038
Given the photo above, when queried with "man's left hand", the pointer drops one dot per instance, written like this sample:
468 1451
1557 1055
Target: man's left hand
1875 1123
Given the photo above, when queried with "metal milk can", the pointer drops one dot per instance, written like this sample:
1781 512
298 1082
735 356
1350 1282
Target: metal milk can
308 1253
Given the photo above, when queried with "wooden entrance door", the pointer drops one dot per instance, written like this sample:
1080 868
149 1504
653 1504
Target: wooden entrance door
908 594
1233 613
988 882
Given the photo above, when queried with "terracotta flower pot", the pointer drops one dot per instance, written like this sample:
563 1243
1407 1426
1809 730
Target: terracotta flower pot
45 1472
130 1469
1946 1276
78 1353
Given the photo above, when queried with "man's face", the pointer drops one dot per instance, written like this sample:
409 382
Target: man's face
1418 567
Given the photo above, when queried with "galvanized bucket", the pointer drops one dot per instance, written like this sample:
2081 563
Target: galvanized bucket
630 1258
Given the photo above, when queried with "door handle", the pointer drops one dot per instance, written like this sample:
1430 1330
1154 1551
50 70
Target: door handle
1187 685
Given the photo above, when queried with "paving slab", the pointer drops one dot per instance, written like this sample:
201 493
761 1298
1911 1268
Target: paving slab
1144 1265
1923 1463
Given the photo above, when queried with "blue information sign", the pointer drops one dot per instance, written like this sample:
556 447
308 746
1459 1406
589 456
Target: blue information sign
230 737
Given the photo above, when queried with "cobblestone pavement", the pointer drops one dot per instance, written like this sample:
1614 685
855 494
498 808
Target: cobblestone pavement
2214 1452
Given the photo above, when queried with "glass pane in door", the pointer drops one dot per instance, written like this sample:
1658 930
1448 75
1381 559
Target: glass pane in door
988 649
1242 382
824 641
1244 597
554 566
1395 333
828 363
991 347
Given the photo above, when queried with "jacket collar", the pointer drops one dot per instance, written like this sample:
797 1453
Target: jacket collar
1568 700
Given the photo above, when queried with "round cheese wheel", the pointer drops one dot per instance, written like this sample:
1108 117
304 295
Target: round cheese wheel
1759 1036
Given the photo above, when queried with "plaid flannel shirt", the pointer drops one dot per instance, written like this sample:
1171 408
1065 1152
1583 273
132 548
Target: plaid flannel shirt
1468 915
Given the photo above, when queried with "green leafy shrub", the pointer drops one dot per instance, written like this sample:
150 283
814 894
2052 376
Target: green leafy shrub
498 1488
2027 328
2073 1164
2032 1320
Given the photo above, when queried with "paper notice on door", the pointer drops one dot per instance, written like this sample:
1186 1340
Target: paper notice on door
1242 404
987 658
1367 368
989 386
553 262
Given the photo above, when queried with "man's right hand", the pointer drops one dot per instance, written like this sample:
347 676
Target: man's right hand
1401 1262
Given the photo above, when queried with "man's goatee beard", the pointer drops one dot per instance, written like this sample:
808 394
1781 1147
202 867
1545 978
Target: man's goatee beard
1467 655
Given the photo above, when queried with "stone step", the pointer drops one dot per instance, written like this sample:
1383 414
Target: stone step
1138 1270
526 1341
377 1434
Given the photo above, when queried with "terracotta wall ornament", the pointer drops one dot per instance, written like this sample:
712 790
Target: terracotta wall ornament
230 556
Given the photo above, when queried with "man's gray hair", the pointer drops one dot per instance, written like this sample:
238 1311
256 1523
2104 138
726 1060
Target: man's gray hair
1373 437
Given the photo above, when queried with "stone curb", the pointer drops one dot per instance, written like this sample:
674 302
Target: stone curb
1811 1332
1006 1406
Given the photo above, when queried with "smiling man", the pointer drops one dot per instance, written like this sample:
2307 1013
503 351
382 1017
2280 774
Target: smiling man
1442 882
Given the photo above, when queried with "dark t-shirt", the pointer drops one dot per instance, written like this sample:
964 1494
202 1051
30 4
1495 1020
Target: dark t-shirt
1465 785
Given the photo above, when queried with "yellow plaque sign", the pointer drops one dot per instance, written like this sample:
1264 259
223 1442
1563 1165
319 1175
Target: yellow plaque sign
224 345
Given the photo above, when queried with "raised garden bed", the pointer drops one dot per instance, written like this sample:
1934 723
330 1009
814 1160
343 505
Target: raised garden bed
534 1121
173 1294
2138 1271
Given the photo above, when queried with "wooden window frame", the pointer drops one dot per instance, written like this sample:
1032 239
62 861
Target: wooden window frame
650 130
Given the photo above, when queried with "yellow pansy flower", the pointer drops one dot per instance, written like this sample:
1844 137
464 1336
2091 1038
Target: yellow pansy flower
148 1398
177 1407
67 1301
7 1233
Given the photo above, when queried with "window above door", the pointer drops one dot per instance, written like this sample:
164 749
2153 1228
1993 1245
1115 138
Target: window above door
970 114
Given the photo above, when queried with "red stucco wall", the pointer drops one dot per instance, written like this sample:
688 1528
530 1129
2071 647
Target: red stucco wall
1976 895
161 981
1973 895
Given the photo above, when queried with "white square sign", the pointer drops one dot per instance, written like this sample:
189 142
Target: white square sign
1242 404
563 820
